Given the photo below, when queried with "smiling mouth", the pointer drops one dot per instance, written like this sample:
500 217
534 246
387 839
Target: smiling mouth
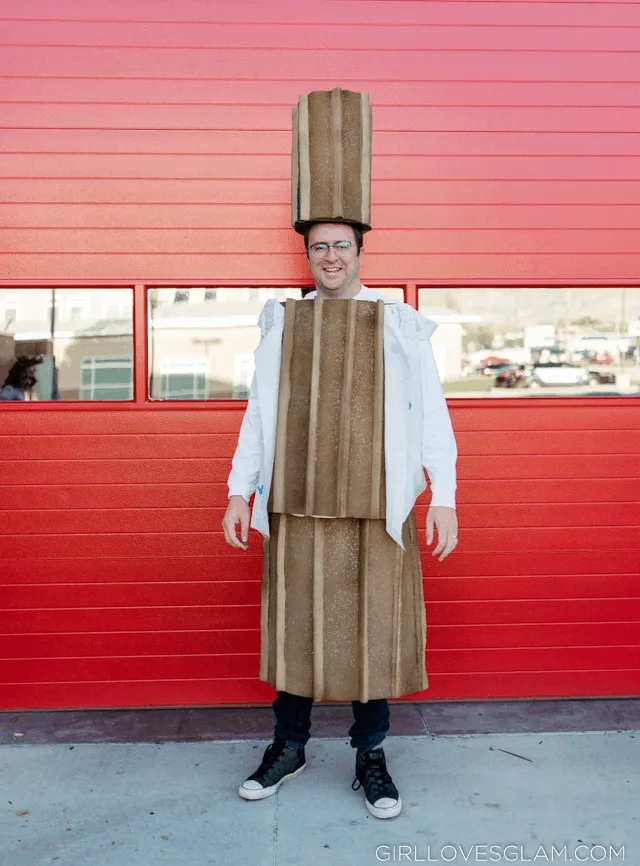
331 270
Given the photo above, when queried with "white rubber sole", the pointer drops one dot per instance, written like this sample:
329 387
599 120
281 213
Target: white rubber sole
391 812
262 793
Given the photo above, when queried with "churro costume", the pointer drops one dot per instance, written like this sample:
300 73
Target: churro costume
342 606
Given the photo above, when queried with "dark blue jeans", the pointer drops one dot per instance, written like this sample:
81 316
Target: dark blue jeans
293 721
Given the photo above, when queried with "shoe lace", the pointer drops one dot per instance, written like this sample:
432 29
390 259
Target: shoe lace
273 754
271 757
377 780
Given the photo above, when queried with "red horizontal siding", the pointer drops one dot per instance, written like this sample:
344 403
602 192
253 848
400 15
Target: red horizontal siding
167 667
129 643
216 469
524 416
584 501
80 567
387 118
306 37
407 218
205 692
538 541
504 153
207 641
388 12
619 516
167 265
393 217
242 665
528 613
254 62
101 619
405 243
135 594
252 92
435 192
96 447
217 590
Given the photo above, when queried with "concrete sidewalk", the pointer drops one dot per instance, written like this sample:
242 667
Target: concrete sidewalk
176 803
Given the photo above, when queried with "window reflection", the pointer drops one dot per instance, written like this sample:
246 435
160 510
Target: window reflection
201 341
515 342
66 344
396 294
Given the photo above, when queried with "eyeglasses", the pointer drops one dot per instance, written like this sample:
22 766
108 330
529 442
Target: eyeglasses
320 249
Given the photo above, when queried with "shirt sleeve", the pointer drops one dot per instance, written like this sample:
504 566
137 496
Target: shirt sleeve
439 449
245 466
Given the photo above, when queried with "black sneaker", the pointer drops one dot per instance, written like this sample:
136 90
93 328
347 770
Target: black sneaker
279 763
382 798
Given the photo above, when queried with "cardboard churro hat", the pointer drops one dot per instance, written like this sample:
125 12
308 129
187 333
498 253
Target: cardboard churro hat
331 159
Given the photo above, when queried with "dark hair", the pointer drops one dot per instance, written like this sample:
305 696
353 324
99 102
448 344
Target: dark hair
22 373
357 231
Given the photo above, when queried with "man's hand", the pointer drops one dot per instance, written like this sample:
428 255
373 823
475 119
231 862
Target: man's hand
444 519
237 512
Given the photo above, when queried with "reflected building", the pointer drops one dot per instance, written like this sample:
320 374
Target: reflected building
85 338
201 341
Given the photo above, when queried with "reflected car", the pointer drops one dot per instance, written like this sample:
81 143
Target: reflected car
599 377
492 368
513 376
493 360
594 357
564 373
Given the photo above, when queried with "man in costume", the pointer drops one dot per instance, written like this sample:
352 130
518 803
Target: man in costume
345 412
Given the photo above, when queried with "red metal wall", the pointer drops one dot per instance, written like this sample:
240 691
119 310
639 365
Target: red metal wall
155 146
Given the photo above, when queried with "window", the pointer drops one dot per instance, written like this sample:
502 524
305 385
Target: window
184 380
77 307
116 305
490 341
203 350
10 313
396 294
243 370
81 353
109 378
523 342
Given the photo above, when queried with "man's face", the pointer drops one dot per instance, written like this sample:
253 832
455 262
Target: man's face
335 272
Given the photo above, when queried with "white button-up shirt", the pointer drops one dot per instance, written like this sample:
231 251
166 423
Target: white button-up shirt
418 431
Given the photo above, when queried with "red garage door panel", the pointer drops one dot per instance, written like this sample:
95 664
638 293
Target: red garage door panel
166 265
155 146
